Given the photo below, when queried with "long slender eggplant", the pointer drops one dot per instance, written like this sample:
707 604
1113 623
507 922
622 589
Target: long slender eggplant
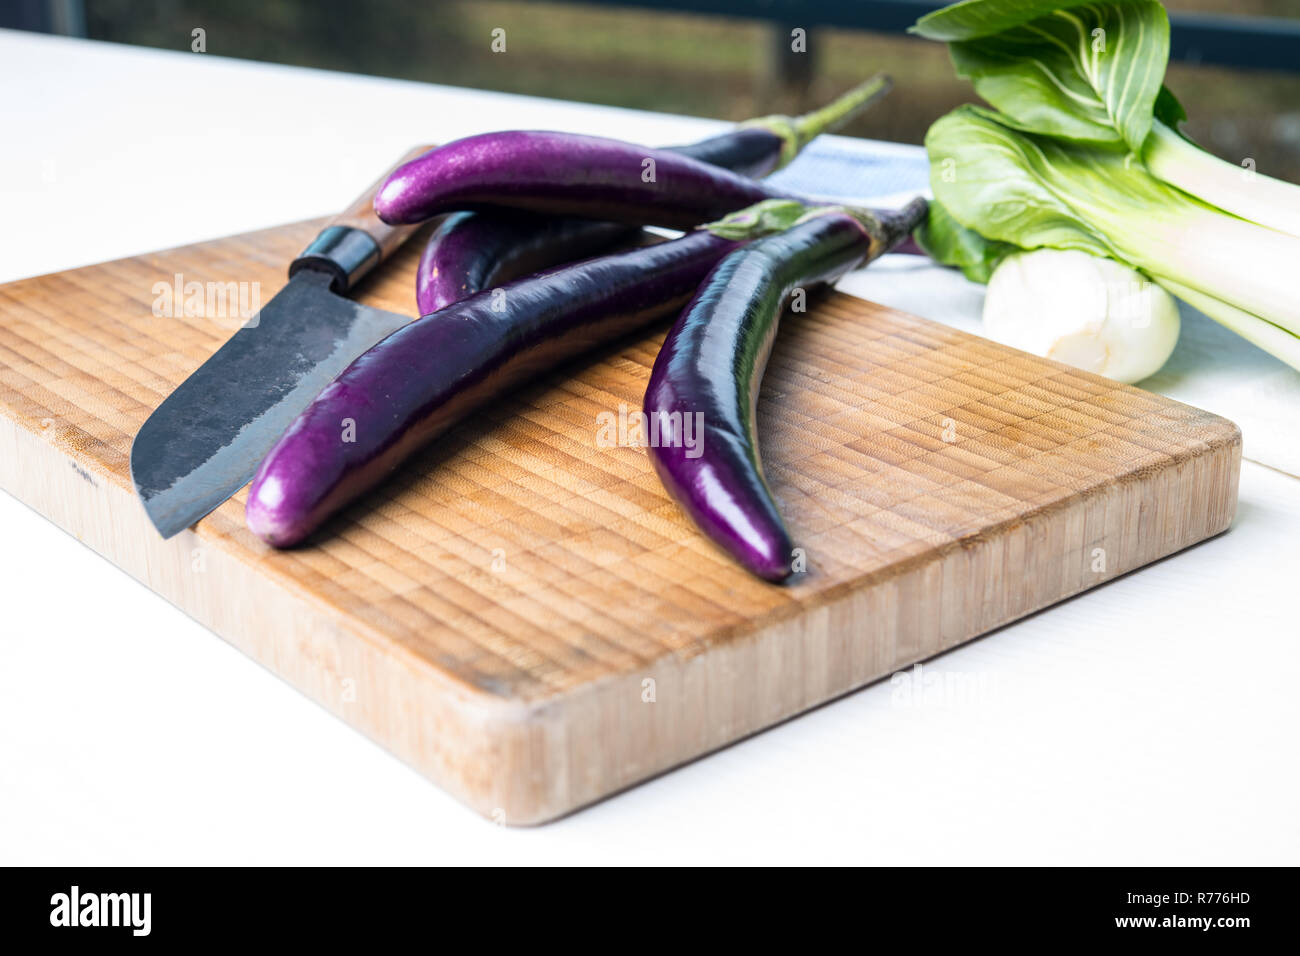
429 375
566 174
470 252
708 373
606 179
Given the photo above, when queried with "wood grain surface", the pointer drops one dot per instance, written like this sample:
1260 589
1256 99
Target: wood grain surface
524 616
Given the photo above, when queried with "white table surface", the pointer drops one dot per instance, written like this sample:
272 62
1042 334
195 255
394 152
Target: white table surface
1152 720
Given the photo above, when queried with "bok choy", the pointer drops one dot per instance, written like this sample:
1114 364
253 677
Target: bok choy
1082 153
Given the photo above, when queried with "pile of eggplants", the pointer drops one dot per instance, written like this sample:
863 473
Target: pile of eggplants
503 301
473 251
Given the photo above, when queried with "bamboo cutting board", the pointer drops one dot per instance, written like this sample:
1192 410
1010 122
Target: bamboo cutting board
525 617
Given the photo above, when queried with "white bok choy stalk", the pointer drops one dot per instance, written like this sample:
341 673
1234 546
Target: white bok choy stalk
1236 189
1271 338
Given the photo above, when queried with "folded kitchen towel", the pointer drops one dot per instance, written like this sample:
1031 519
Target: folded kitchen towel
840 168
1210 368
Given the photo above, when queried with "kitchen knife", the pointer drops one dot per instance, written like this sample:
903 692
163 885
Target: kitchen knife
206 439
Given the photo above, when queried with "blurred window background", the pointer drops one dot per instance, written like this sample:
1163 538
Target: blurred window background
1237 64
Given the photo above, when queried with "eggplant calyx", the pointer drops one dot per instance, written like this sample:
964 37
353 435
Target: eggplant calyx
760 219
895 225
783 128
886 228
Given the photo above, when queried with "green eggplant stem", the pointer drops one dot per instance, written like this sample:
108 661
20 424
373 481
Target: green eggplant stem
797 132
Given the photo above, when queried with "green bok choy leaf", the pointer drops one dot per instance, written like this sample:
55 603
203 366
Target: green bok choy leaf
1090 74
945 240
1093 73
971 19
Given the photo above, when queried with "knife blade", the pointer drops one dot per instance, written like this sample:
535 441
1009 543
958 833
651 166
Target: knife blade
206 439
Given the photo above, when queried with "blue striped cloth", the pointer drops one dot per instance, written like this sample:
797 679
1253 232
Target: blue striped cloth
841 168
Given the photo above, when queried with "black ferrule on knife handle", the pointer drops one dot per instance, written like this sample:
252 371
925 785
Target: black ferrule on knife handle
345 252
356 240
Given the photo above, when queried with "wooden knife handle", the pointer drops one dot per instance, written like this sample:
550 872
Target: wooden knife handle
356 240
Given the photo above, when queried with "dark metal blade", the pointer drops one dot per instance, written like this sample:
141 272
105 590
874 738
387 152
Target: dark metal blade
205 441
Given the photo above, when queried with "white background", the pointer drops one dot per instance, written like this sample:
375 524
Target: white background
1152 720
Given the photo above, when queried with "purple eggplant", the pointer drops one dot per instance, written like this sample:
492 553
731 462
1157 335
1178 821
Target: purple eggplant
429 375
752 149
606 179
702 398
473 251
566 174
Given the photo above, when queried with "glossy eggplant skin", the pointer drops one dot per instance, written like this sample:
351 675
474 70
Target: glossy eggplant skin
431 374
566 174
711 366
473 251
748 150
